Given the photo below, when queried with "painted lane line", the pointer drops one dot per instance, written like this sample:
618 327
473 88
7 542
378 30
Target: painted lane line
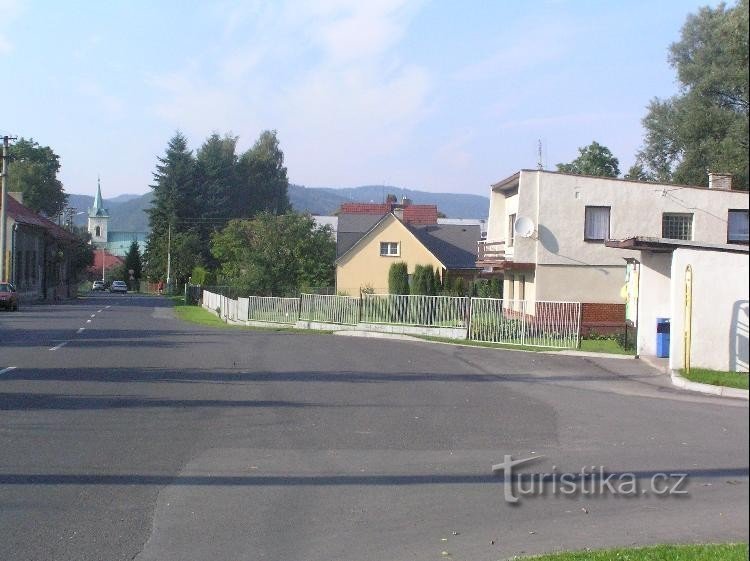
93 315
59 346
6 370
80 330
107 307
99 311
88 321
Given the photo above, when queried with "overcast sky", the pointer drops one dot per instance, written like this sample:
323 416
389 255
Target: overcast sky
441 96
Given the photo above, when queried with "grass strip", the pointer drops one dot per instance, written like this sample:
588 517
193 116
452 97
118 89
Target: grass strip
707 552
717 377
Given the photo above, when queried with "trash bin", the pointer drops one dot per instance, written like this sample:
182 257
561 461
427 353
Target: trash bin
662 337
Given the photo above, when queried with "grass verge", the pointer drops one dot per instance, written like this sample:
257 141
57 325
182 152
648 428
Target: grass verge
201 316
721 552
717 377
604 346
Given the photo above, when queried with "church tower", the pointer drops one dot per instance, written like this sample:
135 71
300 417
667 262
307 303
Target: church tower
98 218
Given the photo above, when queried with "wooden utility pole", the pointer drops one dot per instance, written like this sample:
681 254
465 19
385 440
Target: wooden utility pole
3 210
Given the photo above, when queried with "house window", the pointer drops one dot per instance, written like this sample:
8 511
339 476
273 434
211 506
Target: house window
596 228
389 249
511 229
677 226
737 227
97 232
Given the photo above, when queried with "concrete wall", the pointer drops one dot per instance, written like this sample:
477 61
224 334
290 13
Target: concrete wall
654 297
720 309
364 266
580 284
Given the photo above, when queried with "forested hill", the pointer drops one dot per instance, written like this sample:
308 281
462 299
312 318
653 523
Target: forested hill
127 211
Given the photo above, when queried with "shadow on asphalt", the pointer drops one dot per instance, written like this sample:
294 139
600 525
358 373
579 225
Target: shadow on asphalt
335 480
157 375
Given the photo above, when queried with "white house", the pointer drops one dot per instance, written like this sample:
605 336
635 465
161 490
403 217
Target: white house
702 289
547 231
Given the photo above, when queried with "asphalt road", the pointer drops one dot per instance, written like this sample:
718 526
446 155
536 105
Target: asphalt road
127 434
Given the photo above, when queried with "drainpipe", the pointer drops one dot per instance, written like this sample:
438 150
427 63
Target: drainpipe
13 264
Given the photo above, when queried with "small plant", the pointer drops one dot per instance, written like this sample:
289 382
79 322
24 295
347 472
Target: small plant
367 289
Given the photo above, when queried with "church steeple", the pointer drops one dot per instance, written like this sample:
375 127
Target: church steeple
98 218
98 208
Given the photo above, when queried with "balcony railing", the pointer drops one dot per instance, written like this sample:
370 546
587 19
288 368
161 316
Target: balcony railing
489 253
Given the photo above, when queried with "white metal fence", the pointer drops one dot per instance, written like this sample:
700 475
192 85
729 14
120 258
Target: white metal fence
329 309
271 309
519 322
511 322
425 311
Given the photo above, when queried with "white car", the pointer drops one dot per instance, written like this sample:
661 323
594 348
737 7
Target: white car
118 286
98 285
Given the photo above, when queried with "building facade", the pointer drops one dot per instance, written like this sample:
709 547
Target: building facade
547 231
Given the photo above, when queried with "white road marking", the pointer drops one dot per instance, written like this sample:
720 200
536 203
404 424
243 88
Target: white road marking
80 330
93 315
6 370
107 307
88 321
59 346
99 311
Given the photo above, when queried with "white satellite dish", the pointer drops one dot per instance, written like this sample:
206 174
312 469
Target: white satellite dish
523 227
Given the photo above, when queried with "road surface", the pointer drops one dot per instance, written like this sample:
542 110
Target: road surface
128 434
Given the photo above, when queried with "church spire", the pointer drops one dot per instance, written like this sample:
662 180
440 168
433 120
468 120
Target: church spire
98 209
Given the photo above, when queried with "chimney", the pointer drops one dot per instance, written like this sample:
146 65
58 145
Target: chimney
18 195
720 181
405 202
399 212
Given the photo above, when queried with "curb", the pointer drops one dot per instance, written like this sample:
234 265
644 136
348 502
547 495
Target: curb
721 391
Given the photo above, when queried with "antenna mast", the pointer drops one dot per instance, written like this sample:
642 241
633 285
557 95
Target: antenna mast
539 164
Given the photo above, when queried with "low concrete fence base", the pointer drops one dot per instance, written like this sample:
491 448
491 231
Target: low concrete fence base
321 326
446 332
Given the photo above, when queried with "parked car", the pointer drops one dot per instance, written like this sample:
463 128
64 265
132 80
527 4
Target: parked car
98 285
8 296
118 286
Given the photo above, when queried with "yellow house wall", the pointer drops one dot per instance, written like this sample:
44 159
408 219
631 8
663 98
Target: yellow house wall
364 266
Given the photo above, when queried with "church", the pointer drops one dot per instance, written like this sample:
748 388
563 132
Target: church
111 246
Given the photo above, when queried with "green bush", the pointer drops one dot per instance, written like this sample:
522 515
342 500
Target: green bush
423 281
398 278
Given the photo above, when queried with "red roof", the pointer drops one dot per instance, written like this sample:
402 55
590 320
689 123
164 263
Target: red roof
412 214
110 260
24 215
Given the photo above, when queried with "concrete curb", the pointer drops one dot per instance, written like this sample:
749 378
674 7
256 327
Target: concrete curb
379 335
708 389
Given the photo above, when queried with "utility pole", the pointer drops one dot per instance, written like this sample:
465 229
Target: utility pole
3 208
169 255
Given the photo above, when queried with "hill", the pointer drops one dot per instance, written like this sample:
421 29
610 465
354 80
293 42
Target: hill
128 211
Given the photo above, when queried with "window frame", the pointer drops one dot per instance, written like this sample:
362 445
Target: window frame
586 221
746 212
512 229
666 215
390 245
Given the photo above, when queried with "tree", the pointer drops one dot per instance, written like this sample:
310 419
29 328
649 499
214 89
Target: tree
82 253
398 278
705 126
593 159
275 255
173 204
263 183
33 171
133 261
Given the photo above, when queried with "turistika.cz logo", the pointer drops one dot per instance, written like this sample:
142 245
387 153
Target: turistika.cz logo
590 480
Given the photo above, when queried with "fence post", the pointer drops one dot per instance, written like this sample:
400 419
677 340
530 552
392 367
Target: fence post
523 322
468 320
359 307
299 307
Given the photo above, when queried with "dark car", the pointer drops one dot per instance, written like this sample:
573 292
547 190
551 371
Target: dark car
8 296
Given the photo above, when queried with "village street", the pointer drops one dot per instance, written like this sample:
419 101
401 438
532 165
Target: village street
128 434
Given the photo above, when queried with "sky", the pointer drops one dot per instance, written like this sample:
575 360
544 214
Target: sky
440 95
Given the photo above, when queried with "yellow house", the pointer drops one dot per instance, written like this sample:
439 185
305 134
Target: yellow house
450 248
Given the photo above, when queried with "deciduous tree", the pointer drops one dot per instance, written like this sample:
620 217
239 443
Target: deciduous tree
33 171
593 159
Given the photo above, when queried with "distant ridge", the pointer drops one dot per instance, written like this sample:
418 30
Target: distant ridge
128 211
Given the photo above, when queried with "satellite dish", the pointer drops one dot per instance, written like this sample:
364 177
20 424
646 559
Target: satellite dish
523 227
